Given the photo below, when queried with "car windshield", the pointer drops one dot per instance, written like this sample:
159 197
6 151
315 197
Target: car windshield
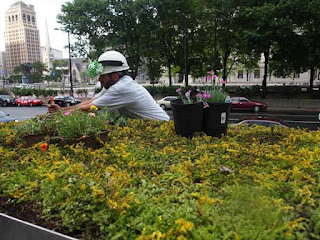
2 114
4 96
32 98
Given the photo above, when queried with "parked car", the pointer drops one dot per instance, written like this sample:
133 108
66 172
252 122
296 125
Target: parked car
65 101
5 118
262 121
242 103
28 101
6 100
24 86
165 102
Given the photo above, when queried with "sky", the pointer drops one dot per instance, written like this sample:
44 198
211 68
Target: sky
45 9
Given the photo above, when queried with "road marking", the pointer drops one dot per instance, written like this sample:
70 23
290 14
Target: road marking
287 121
293 115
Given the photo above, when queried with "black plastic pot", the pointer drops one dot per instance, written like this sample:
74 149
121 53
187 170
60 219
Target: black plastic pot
188 118
215 119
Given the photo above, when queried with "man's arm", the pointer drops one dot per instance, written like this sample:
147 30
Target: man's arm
83 106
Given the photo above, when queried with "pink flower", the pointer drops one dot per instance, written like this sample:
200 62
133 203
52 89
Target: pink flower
187 94
214 76
198 95
67 113
206 106
206 95
223 81
178 90
92 114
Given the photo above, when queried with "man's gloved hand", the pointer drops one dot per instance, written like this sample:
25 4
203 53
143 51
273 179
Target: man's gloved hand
52 108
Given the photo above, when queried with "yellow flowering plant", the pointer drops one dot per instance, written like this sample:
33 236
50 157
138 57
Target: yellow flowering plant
149 183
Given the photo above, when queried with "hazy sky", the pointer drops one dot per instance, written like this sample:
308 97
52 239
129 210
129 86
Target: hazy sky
45 9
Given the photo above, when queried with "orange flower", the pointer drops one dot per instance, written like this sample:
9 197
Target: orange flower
83 136
44 146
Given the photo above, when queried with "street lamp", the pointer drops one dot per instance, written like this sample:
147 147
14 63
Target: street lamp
70 70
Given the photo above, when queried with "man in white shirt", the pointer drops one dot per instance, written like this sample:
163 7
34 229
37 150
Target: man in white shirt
120 92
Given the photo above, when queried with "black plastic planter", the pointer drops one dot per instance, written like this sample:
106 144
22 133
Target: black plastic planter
188 118
215 119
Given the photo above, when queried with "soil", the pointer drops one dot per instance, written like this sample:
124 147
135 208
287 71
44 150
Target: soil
28 212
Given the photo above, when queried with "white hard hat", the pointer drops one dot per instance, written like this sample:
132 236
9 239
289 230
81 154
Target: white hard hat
113 61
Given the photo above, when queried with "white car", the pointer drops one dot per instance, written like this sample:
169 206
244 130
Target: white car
165 102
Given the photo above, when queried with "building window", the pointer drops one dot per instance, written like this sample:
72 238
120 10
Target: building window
28 18
240 73
16 17
296 75
9 19
12 18
257 73
33 19
24 17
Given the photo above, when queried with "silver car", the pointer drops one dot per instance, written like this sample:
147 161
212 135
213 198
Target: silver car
165 102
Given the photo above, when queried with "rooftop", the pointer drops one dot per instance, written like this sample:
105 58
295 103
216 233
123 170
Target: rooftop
19 3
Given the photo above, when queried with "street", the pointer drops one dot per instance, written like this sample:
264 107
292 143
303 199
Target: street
302 119
25 112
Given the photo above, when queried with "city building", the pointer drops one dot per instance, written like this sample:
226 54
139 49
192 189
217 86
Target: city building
79 67
55 54
22 40
47 56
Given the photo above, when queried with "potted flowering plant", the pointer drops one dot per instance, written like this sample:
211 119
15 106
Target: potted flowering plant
216 114
201 110
187 113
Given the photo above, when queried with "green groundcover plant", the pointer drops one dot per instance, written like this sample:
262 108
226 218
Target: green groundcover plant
149 183
69 125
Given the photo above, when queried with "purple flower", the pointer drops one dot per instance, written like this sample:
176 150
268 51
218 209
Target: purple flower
198 95
178 90
67 113
214 76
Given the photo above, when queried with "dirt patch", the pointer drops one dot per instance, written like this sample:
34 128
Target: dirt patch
28 212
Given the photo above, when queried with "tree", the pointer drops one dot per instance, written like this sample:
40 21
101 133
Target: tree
89 20
262 24
37 70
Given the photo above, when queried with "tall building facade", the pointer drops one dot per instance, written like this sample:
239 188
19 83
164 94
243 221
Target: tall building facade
3 65
22 40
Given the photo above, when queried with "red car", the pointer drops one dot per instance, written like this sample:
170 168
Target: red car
28 101
241 103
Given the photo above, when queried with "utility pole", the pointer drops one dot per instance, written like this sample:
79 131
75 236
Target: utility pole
70 64
70 67
185 50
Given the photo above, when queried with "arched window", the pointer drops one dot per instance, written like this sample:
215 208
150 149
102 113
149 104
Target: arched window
28 18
